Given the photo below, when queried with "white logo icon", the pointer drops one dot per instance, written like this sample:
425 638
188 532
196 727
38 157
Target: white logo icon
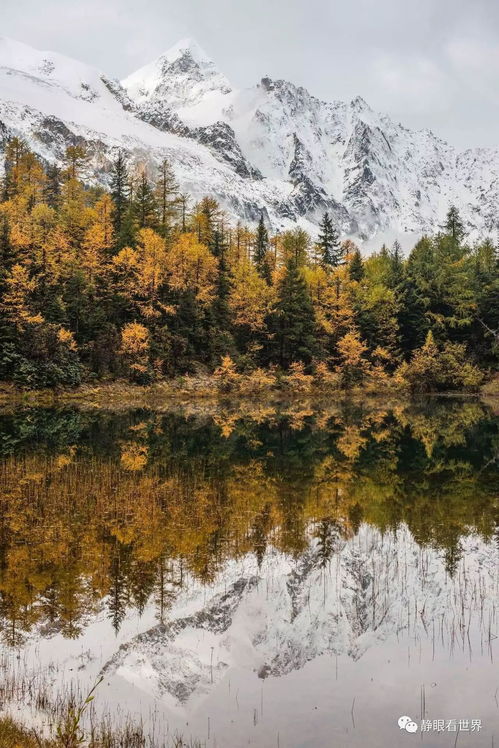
406 723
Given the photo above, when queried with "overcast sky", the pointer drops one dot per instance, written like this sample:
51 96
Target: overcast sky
427 63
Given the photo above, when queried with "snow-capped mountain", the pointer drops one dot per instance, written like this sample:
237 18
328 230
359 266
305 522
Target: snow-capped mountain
273 147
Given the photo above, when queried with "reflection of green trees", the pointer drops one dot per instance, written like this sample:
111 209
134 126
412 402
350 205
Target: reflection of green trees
118 508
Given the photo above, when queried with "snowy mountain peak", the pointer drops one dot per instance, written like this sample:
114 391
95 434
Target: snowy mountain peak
180 76
360 105
188 47
22 58
51 82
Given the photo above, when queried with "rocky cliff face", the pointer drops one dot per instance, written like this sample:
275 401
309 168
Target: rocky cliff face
272 147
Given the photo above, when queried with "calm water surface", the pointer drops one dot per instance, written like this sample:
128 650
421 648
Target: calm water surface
257 575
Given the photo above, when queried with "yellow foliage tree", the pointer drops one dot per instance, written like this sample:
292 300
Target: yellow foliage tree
226 375
251 298
16 300
135 349
98 238
353 365
191 266
331 294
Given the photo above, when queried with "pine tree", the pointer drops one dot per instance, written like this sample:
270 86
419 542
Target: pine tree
221 337
454 226
486 283
396 271
331 253
412 319
167 196
293 323
356 267
144 204
207 216
222 290
120 195
52 192
15 150
260 254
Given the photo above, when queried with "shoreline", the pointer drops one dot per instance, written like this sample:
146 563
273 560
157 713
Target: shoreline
121 394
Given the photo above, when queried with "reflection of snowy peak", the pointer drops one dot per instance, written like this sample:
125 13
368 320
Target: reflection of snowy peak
271 147
276 618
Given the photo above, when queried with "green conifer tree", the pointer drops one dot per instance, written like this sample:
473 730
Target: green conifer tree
330 250
260 254
454 226
120 192
145 208
356 268
293 326
52 190
167 196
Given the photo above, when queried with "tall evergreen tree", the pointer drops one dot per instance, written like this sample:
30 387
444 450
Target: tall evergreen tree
330 250
6 255
144 204
221 337
167 196
486 292
293 322
413 322
52 190
454 226
260 255
208 218
121 195
356 268
15 150
396 267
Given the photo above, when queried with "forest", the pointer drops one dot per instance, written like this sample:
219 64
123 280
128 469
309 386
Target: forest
140 282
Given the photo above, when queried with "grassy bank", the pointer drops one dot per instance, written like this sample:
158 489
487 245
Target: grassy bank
121 394
14 735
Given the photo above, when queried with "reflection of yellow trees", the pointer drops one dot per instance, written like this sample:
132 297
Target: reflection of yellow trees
226 423
446 426
351 442
134 456
76 527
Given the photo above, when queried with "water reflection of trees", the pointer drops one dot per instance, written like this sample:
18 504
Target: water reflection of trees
120 508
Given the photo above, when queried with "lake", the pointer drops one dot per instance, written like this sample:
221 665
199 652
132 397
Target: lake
287 575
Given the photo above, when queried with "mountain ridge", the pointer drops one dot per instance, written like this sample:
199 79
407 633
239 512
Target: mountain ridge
272 148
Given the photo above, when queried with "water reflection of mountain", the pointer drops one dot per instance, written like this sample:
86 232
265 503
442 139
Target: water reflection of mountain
276 616
120 510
